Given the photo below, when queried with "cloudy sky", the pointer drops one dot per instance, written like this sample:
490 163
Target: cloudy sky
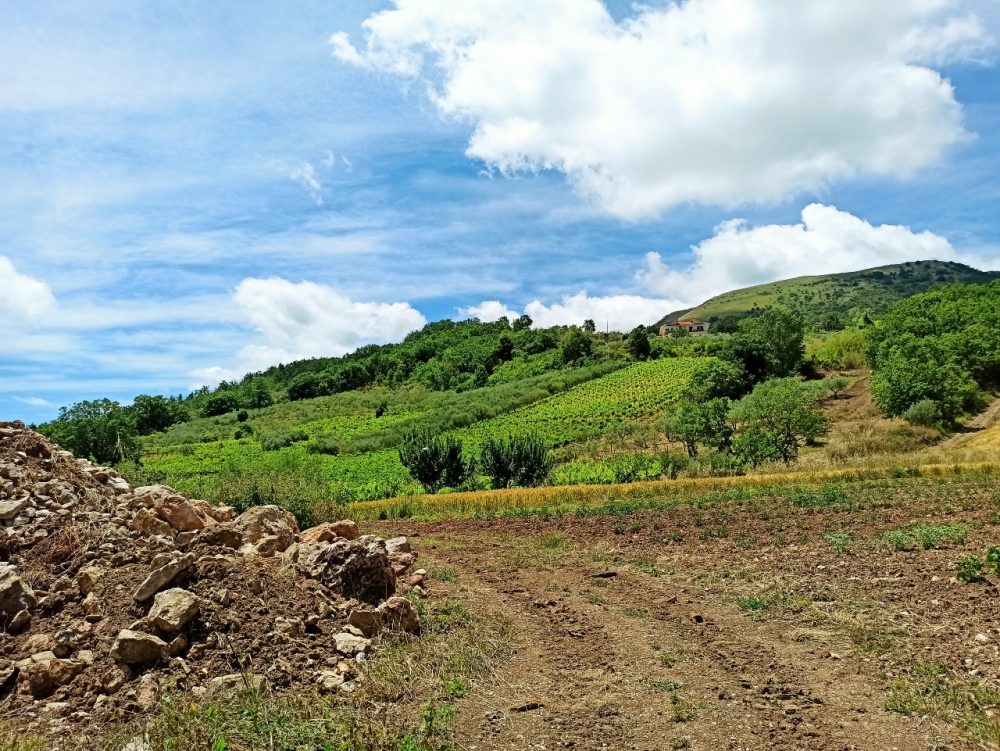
193 190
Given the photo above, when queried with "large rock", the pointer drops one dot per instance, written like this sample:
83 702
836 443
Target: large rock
147 523
266 530
10 509
44 676
399 614
176 511
351 568
15 594
351 644
161 577
135 647
330 531
172 609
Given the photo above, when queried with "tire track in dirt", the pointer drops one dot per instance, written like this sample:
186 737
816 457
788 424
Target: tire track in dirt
588 672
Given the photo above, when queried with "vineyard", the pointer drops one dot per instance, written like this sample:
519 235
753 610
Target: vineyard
372 470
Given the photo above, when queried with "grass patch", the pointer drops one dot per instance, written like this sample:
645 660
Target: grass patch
874 640
932 689
927 536
443 573
839 541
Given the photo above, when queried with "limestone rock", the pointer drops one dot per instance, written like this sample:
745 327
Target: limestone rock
226 685
351 645
329 680
172 609
162 576
330 531
266 530
15 594
147 523
367 620
134 647
87 578
351 568
10 509
399 614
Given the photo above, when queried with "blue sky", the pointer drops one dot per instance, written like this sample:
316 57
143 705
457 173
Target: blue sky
193 190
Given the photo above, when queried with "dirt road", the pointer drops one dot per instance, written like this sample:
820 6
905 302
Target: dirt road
737 629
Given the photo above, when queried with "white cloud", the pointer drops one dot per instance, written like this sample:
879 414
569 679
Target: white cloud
305 319
488 311
305 175
34 401
713 101
827 241
23 298
614 312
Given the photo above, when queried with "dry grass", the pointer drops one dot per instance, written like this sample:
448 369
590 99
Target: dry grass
569 498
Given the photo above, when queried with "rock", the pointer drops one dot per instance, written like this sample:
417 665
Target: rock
20 621
266 530
221 535
330 531
351 568
368 620
172 609
227 685
399 614
289 626
147 523
136 744
87 578
38 643
401 562
134 647
398 545
8 678
10 509
329 680
113 679
161 577
982 638
350 645
176 511
147 692
15 594
44 676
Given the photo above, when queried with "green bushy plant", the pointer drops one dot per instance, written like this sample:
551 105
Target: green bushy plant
435 462
515 460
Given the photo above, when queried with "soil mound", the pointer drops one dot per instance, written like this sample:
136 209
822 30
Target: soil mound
110 594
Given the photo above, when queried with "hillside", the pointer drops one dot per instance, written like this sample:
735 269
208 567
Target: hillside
841 298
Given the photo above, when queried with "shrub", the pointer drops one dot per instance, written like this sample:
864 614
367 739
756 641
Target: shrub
993 559
516 460
242 416
435 462
925 413
220 404
278 439
243 431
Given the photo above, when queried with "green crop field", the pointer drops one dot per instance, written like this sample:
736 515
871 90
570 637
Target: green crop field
591 408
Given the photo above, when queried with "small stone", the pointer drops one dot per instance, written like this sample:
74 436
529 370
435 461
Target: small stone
367 620
15 594
981 638
19 622
227 685
399 614
329 680
172 609
134 647
87 578
292 627
350 645
10 509
162 576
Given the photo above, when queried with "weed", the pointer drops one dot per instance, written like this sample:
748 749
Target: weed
683 710
681 742
754 604
456 688
875 640
636 612
553 541
649 566
443 574
667 659
993 559
927 536
665 687
593 598
969 569
839 541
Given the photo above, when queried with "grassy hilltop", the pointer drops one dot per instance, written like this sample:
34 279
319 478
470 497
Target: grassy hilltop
837 299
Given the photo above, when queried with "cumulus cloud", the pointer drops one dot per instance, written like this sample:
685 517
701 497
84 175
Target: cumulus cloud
722 102
23 298
614 312
488 311
827 241
305 319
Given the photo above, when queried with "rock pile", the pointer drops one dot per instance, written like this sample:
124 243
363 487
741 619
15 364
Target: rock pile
108 594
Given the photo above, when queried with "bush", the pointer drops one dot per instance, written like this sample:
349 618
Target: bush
435 462
516 460
220 404
242 416
969 569
278 439
243 431
774 419
926 413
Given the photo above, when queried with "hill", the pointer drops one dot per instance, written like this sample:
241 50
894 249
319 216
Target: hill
835 300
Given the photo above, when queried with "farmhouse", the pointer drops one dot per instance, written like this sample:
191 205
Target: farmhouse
691 325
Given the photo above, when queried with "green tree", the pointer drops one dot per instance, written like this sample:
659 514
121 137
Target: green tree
220 403
434 461
101 430
256 395
716 378
516 460
781 332
707 423
153 414
774 420
521 323
589 326
576 345
638 343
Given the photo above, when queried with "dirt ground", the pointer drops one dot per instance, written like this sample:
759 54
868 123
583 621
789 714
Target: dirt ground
734 626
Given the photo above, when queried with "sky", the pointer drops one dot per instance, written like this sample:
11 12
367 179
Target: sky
193 191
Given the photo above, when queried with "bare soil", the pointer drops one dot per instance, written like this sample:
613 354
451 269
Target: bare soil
735 626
